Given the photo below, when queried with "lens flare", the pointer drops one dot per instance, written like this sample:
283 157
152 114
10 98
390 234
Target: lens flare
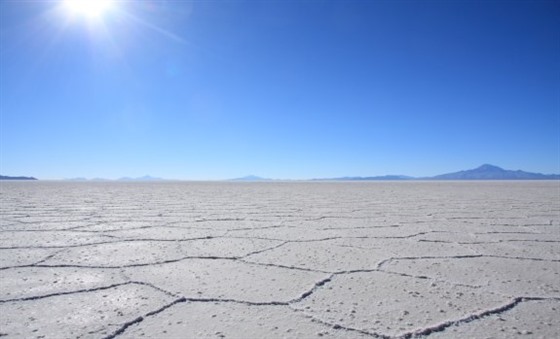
92 9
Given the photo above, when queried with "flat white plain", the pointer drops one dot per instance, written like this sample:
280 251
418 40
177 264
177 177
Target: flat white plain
280 259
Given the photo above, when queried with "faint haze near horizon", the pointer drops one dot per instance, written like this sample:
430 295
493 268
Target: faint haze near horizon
292 90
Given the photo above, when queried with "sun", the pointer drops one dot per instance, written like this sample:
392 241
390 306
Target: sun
91 9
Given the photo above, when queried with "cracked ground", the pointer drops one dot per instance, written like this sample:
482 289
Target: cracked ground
280 260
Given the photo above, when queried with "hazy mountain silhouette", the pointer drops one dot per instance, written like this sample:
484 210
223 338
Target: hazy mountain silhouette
251 178
81 179
484 172
376 178
491 172
6 177
144 178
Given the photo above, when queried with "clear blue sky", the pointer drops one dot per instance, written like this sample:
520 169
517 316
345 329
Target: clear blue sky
281 89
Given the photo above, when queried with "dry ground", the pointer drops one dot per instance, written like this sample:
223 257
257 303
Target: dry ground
276 260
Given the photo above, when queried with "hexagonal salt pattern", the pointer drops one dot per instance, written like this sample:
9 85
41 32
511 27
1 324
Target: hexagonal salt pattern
280 260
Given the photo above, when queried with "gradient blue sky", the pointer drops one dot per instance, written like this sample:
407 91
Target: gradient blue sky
281 89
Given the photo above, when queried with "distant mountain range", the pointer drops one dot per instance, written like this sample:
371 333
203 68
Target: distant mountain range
484 172
251 178
376 178
144 178
5 177
491 172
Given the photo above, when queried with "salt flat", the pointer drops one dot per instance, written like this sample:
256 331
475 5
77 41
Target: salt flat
280 260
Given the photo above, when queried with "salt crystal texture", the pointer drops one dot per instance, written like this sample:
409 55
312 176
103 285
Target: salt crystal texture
280 260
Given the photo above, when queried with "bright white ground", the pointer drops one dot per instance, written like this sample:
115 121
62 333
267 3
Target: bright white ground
280 260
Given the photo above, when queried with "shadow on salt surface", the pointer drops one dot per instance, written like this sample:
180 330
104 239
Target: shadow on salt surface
118 254
351 254
512 277
228 247
56 225
211 224
227 224
305 232
227 279
523 249
409 247
141 252
166 233
471 235
90 314
321 255
547 229
340 222
29 282
534 319
231 320
24 256
48 239
53 222
393 305
109 226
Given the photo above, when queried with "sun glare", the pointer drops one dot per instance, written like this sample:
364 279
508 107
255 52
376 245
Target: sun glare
89 8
